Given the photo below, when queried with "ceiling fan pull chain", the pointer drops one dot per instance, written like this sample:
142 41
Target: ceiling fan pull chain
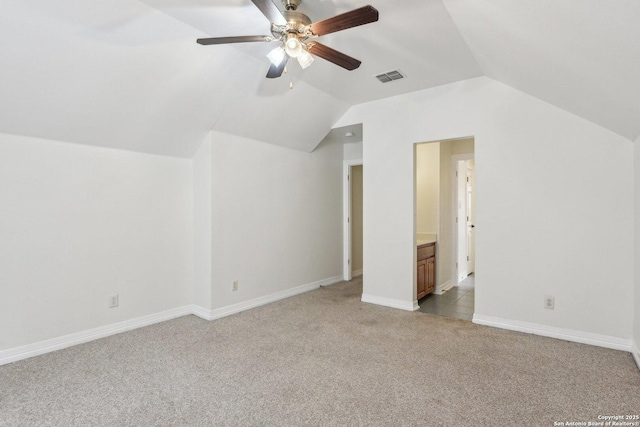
291 82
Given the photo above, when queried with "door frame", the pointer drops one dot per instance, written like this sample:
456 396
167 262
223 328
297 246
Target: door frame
454 210
346 215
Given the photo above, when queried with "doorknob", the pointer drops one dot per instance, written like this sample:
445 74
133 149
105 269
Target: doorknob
472 226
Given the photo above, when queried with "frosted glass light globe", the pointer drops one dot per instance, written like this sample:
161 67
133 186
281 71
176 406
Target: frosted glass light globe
293 47
305 59
276 56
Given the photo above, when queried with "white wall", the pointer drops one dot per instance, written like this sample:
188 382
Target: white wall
79 224
276 217
428 188
553 209
637 246
201 289
352 150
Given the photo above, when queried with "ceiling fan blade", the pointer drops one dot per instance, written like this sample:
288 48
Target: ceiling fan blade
333 55
276 71
361 16
238 39
271 11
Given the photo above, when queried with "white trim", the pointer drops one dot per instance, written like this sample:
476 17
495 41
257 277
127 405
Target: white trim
455 158
200 311
346 213
356 273
53 344
554 332
330 281
257 302
390 302
441 289
636 354
50 345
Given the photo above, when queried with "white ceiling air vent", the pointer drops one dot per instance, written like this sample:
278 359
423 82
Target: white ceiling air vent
390 76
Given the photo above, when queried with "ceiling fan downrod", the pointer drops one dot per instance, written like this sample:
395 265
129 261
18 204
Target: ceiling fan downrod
291 4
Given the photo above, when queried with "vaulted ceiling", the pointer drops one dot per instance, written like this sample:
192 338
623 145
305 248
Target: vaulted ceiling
128 73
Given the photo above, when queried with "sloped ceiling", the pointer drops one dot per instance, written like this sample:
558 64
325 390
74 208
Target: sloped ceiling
128 73
580 55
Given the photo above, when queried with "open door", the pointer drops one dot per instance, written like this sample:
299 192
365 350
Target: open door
470 208
465 219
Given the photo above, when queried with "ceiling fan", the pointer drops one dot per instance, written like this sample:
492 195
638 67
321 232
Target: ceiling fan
296 32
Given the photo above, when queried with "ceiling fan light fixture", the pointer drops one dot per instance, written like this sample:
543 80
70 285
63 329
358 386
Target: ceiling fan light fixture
305 59
276 56
293 46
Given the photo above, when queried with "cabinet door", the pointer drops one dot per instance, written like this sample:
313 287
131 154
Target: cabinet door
422 278
431 275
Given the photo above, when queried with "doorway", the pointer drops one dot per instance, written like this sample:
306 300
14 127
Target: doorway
445 218
353 265
464 197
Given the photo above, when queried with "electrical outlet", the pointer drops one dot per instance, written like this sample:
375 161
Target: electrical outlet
113 301
549 302
235 285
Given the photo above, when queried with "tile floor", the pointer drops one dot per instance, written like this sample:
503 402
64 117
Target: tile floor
457 302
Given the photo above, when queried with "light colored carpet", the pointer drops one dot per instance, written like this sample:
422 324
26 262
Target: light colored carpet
321 358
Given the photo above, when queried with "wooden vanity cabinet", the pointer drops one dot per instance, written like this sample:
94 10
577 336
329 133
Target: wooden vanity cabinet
426 273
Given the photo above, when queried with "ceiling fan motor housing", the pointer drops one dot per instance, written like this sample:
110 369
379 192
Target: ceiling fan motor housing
297 18
297 26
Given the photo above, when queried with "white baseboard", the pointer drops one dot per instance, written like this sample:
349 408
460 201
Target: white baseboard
390 302
441 289
636 354
47 346
257 302
356 273
200 311
554 332
330 281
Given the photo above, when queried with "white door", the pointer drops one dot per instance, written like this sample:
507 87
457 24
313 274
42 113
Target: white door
461 221
470 211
